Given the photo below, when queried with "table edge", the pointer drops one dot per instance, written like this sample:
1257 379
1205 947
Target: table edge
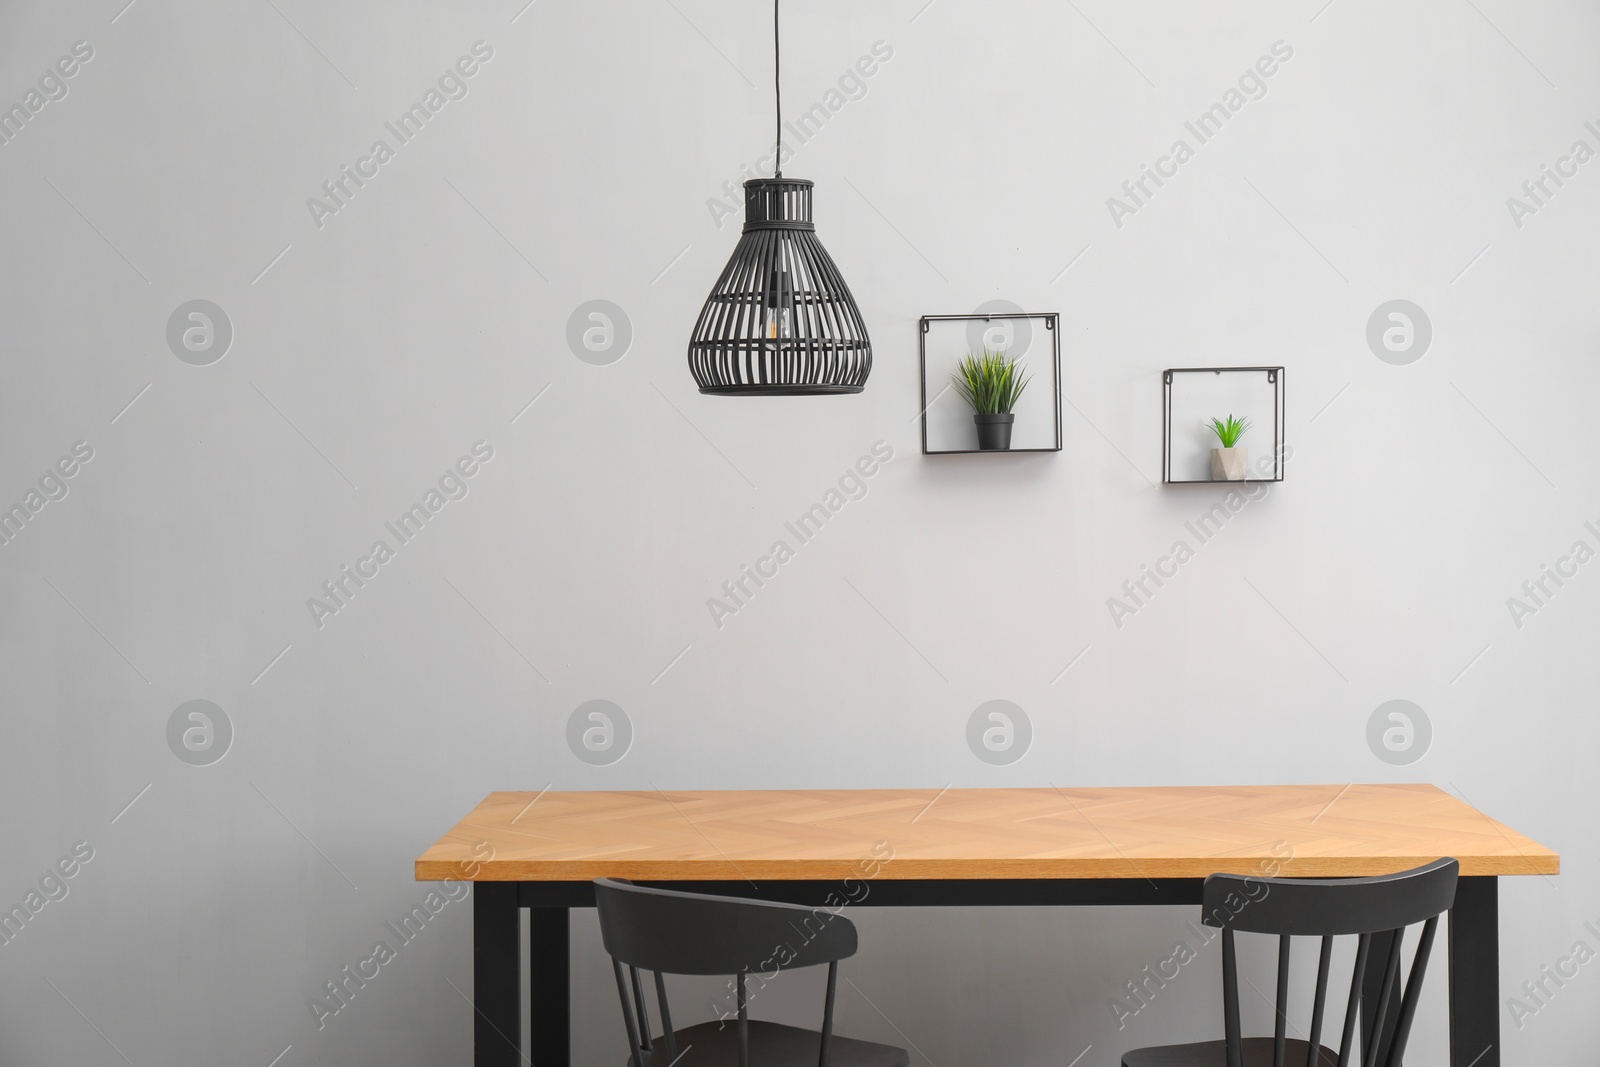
973 870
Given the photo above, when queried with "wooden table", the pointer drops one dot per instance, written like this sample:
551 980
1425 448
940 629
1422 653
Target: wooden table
972 847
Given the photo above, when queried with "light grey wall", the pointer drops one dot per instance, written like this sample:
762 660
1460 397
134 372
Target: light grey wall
371 351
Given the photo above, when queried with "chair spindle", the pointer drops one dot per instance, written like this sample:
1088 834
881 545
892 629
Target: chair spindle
634 1048
1319 1005
1348 1052
1391 972
1230 1001
666 1018
1413 993
1280 1030
744 1025
827 1013
644 1010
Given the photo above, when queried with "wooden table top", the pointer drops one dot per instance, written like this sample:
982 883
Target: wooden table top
1312 831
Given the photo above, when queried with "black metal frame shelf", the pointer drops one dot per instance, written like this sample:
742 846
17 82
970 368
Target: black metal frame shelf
1051 324
1275 375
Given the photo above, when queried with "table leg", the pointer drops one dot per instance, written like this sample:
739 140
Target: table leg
549 987
1475 974
497 1018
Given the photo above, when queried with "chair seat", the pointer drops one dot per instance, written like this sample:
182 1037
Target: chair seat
1257 1053
771 1045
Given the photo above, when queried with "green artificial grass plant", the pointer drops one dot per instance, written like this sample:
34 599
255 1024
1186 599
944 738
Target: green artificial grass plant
991 383
1230 431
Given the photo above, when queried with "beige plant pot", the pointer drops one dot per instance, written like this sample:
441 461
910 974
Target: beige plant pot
1229 464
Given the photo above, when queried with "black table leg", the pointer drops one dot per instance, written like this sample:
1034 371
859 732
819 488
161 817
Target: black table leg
1475 974
549 987
1372 990
497 1020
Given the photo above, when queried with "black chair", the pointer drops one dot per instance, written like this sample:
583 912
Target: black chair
1326 908
669 932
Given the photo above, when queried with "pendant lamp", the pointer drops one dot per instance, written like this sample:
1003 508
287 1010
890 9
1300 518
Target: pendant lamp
780 321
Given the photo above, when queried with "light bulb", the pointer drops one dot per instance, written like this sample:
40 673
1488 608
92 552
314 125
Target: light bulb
778 324
779 304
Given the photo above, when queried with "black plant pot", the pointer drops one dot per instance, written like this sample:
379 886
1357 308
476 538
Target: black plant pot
994 431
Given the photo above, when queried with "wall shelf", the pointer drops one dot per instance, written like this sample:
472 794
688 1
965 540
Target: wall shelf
947 421
1207 392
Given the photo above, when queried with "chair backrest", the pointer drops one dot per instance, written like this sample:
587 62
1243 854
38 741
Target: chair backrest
671 932
1380 907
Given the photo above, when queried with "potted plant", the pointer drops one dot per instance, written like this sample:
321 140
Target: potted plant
992 384
1228 463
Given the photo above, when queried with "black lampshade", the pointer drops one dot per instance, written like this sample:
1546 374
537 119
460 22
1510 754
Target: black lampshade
780 321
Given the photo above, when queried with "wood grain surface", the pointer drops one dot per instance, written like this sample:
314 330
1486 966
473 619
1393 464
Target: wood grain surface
1310 831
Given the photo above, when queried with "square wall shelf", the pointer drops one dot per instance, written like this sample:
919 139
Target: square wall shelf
1192 396
944 340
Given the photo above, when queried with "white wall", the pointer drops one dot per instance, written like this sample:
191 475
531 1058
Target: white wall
427 312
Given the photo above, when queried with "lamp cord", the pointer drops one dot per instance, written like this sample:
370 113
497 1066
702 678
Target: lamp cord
777 92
